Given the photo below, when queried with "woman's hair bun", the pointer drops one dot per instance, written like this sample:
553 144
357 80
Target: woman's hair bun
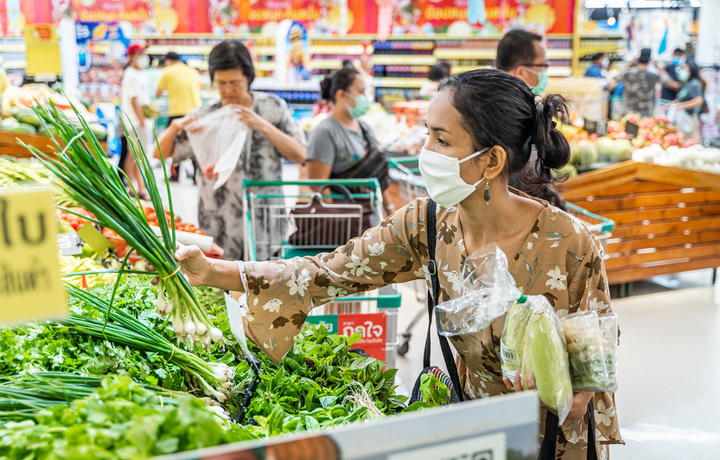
552 148
325 88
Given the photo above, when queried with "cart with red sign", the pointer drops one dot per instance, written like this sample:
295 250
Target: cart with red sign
276 230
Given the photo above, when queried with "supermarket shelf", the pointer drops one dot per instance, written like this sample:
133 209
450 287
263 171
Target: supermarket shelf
448 53
559 71
404 59
265 50
180 49
337 49
332 64
390 82
560 54
603 36
465 68
12 65
12 48
265 66
599 49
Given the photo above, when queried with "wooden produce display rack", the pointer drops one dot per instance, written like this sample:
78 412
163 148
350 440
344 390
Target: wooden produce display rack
9 144
667 220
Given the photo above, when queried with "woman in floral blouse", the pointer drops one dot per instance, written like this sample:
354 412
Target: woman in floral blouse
481 126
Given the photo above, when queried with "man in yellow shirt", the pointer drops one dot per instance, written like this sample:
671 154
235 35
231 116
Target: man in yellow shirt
182 85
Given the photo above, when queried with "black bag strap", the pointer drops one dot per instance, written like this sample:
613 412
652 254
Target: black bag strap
548 448
430 228
343 189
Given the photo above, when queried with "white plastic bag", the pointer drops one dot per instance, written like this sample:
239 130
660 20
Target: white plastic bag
217 141
489 289
609 330
583 337
684 122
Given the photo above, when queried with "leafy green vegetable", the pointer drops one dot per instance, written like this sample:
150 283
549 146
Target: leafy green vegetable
121 419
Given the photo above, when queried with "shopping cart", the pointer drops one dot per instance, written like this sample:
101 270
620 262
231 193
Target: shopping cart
405 175
271 233
599 226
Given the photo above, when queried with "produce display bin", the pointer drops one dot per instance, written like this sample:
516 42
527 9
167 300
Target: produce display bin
9 144
407 184
667 220
501 427
270 222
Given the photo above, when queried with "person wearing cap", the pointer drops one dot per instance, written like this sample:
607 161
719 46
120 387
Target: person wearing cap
640 83
181 84
134 94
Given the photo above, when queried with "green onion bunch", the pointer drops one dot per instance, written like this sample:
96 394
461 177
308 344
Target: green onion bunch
86 175
215 379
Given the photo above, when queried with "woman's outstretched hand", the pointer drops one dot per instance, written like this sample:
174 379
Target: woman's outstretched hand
193 264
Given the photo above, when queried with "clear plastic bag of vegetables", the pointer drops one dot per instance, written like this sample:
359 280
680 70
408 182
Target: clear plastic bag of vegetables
513 337
609 331
584 342
544 359
489 289
217 141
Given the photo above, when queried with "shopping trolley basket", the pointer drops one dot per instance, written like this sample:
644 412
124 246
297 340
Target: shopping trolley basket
271 224
405 175
599 226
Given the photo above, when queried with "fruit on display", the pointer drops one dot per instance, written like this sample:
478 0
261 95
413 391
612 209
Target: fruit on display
19 117
613 150
693 157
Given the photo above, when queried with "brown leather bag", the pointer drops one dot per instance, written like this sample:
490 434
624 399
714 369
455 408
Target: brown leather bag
329 225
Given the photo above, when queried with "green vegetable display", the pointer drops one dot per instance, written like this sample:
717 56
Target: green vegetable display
122 420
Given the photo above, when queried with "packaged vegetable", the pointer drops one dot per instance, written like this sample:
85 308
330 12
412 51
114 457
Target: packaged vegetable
585 351
513 338
609 331
217 141
545 360
489 289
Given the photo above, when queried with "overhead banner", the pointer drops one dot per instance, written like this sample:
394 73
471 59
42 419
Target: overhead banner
482 17
134 11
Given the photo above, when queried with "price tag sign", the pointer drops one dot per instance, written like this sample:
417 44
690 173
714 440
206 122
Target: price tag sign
595 127
95 239
30 286
631 129
69 244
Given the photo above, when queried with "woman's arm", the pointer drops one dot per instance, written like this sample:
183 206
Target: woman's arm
288 146
281 293
693 103
166 140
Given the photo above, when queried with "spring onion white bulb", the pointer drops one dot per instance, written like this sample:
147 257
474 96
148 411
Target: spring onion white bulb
216 334
190 327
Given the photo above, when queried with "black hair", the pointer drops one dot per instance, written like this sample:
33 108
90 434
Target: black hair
517 47
172 55
231 54
347 63
340 80
597 56
679 51
695 73
438 72
500 109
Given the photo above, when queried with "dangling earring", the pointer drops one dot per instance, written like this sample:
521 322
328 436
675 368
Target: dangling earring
486 195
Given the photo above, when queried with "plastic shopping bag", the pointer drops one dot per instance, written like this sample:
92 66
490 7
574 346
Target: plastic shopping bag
588 369
544 359
217 141
489 289
609 331
513 338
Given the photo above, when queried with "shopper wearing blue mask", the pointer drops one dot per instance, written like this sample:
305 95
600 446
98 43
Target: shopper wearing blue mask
669 93
342 146
521 53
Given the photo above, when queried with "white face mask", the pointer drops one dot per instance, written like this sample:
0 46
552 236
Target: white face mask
605 63
442 177
143 61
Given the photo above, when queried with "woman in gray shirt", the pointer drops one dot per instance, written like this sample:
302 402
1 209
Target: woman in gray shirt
342 140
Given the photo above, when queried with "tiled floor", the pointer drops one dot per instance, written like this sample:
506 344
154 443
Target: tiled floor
669 357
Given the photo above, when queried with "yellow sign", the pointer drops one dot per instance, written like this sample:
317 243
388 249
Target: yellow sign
30 286
42 49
